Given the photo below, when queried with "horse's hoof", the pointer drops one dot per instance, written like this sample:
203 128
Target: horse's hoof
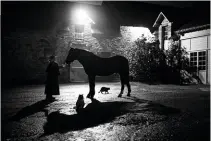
128 95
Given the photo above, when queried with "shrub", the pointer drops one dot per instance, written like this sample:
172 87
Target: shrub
176 60
151 64
144 60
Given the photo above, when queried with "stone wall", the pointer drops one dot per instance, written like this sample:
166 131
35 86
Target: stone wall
25 54
24 57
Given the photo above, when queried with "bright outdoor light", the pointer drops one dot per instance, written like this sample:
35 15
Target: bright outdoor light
81 17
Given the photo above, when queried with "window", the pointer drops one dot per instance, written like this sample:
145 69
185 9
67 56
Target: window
202 60
79 32
165 32
198 60
193 59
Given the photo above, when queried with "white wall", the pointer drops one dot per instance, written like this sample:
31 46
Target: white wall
166 44
186 43
198 41
196 34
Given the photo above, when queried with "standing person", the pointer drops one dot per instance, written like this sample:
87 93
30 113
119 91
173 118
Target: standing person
52 83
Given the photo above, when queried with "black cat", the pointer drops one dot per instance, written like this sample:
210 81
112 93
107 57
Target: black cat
104 89
80 103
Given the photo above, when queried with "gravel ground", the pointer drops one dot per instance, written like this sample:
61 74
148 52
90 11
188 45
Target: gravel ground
152 113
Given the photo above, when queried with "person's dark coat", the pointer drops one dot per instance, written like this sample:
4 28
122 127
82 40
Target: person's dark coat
52 84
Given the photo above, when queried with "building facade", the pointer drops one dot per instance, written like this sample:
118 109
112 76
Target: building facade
28 50
162 30
196 40
194 36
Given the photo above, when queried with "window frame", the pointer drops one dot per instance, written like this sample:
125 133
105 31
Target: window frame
202 62
199 60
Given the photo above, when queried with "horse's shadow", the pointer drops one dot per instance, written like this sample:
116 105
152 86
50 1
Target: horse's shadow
32 109
93 114
97 113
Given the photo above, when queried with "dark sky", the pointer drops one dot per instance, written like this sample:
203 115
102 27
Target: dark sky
43 15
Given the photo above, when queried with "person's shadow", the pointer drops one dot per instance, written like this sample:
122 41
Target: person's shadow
97 113
92 115
32 109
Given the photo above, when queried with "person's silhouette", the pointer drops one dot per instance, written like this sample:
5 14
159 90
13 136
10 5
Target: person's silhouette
52 84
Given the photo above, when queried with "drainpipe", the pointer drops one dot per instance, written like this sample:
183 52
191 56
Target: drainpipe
179 61
207 62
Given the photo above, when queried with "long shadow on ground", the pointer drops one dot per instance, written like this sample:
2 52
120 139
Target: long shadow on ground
32 109
94 114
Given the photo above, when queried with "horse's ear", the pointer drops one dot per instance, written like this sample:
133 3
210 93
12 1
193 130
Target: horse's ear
71 49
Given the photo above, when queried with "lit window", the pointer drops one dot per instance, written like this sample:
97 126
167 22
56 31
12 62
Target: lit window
79 32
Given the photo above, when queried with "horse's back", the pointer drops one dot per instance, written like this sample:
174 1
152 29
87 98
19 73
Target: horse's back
105 66
119 58
117 64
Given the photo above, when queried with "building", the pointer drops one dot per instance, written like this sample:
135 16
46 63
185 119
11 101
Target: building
194 36
33 31
27 42
165 26
101 33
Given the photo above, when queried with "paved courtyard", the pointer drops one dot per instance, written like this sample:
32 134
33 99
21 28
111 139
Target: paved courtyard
153 112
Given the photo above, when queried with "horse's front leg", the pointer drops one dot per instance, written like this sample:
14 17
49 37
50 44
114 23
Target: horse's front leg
91 87
122 86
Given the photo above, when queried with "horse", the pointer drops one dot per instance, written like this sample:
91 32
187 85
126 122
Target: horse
97 66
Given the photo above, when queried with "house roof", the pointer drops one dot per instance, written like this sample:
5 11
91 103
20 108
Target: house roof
174 17
196 17
144 14
159 19
198 23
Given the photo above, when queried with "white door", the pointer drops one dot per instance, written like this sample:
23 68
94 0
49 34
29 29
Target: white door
77 73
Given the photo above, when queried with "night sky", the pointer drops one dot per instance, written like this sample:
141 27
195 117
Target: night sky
43 15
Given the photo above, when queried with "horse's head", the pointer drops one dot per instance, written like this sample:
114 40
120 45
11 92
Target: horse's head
72 55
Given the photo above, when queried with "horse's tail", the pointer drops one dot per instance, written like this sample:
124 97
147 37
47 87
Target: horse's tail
126 66
124 71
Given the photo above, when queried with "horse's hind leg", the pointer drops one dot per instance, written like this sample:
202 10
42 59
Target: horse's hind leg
91 87
129 88
122 86
127 82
